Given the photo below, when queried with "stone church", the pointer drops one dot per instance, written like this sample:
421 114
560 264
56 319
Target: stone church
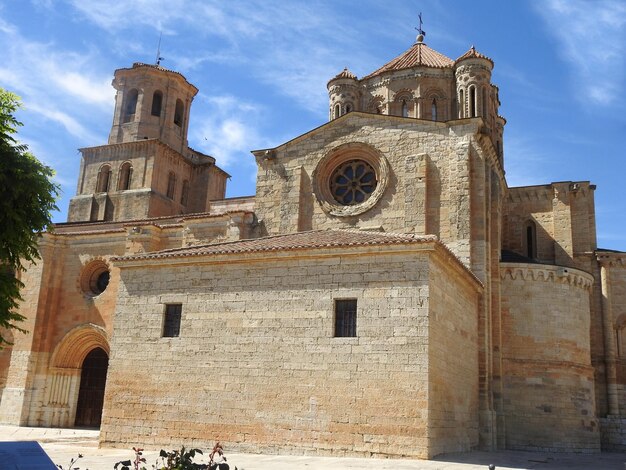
384 292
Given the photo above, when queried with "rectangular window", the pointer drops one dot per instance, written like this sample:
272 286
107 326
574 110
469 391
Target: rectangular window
345 318
171 322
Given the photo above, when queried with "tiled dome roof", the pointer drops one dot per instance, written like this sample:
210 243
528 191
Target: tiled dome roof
418 55
345 73
474 54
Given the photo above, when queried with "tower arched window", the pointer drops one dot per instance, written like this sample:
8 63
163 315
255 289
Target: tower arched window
104 177
433 109
348 108
171 185
157 103
461 104
472 101
337 111
184 196
530 239
179 113
126 171
405 109
131 105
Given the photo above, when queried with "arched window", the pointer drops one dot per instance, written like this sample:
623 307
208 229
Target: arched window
123 182
179 113
171 185
185 193
131 105
337 111
472 101
348 108
433 109
405 109
530 239
157 102
104 176
461 104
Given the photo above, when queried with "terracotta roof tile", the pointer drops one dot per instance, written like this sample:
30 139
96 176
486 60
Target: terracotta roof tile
345 73
418 55
474 54
293 241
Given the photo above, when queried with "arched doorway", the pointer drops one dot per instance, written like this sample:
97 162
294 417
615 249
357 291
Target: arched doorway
91 392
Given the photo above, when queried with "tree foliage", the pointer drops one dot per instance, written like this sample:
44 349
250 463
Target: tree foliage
27 196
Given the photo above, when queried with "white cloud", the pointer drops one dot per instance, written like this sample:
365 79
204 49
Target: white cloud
229 131
592 38
71 125
270 38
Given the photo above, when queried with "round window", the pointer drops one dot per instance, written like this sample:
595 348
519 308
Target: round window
95 278
350 179
353 182
99 282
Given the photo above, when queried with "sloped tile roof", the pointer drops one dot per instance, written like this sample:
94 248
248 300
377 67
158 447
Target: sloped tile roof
474 54
292 241
418 55
345 73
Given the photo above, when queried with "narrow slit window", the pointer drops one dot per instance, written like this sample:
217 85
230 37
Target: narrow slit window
531 240
126 171
171 320
405 109
433 109
171 185
461 104
184 196
157 102
179 113
104 177
131 105
345 318
472 102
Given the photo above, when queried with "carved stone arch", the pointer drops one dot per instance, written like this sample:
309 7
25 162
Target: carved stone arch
376 105
404 93
435 93
435 105
77 343
404 103
64 374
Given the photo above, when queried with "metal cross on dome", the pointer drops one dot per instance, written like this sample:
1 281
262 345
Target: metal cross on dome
420 30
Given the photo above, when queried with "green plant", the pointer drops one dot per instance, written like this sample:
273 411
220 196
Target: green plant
179 460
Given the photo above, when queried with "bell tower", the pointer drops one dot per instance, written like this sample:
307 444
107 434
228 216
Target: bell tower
147 168
151 103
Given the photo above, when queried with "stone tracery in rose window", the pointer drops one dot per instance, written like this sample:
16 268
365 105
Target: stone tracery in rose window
353 182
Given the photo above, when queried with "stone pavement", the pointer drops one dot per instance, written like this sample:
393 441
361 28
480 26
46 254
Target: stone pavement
64 444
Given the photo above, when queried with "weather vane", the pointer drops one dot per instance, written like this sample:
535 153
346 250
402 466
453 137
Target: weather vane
158 56
420 30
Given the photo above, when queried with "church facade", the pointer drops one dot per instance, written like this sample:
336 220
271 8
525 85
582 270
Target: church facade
384 292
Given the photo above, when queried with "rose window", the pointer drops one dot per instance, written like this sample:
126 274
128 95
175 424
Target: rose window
352 182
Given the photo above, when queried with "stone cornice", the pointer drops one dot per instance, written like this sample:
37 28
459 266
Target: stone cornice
547 192
611 258
546 273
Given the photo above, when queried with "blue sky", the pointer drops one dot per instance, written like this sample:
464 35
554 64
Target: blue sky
262 68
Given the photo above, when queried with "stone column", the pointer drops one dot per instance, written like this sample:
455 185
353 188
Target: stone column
609 340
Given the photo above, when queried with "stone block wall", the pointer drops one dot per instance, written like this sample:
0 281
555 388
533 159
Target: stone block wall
564 216
548 391
257 364
453 361
427 189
